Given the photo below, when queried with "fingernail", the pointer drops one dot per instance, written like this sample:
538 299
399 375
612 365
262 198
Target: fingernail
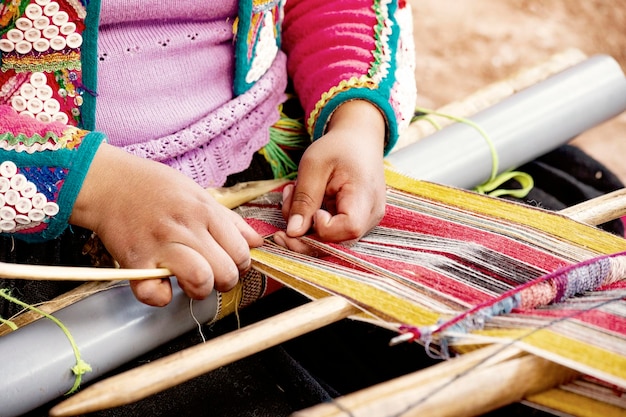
279 240
295 223
287 192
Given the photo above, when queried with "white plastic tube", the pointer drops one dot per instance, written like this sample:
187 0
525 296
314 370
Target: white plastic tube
522 127
110 329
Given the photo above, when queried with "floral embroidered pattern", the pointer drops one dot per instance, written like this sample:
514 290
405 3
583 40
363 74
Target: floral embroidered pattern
41 70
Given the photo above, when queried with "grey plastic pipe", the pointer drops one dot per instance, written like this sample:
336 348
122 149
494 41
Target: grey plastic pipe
522 127
110 329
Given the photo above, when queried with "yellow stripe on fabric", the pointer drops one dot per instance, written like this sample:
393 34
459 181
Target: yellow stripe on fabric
580 356
547 222
574 404
374 299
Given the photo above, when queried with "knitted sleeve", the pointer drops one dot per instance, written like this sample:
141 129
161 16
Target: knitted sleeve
344 50
42 168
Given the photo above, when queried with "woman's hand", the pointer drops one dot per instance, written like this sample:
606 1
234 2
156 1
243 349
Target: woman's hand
149 215
340 190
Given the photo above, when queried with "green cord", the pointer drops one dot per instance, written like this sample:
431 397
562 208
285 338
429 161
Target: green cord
9 323
81 366
490 186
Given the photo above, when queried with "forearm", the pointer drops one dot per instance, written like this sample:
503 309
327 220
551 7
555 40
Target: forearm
353 50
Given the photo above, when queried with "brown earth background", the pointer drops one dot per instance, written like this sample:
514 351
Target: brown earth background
464 45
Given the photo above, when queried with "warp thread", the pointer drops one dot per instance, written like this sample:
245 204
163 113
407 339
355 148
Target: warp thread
551 288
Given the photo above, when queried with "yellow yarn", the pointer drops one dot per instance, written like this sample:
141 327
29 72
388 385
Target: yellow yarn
575 405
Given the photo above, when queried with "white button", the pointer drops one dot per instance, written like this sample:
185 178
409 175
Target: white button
74 40
29 190
1 199
39 200
18 182
37 79
27 113
23 23
11 197
51 106
33 11
51 8
23 47
51 209
36 215
7 213
6 45
67 28
8 169
57 43
7 225
78 100
18 103
35 105
50 32
43 117
15 35
24 205
44 92
32 35
22 219
42 2
27 91
41 23
61 117
60 18
41 45
5 185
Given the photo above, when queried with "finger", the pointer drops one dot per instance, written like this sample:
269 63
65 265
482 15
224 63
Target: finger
295 244
153 292
355 216
195 274
305 199
227 236
250 235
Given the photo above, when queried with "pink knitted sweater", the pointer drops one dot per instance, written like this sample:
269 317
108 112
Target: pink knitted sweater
193 84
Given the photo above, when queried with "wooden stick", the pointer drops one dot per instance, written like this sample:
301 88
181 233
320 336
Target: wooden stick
169 371
599 210
77 273
504 375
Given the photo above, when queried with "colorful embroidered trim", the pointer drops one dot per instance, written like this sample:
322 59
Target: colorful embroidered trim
257 40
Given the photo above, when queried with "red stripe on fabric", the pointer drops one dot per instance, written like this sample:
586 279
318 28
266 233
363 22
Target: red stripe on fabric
402 219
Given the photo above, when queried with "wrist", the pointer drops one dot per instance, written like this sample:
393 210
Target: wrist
359 117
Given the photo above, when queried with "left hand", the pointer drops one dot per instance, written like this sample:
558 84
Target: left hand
340 190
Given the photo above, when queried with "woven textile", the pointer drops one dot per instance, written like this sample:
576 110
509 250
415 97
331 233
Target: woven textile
441 252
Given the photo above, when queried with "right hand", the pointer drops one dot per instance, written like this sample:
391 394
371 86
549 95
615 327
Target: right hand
149 215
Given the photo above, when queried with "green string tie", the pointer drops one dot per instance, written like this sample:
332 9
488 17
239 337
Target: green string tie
491 186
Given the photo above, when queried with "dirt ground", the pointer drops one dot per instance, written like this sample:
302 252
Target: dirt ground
463 46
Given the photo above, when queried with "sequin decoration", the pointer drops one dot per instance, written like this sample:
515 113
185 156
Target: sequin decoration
22 205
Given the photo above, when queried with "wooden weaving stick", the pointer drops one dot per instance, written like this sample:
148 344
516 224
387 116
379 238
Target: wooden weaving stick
138 383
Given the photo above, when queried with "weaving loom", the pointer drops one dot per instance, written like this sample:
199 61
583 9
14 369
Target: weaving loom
439 253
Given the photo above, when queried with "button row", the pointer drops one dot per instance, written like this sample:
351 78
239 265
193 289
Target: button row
35 99
44 27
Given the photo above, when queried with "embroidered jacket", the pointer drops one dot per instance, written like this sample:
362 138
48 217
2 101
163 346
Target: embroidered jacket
338 51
